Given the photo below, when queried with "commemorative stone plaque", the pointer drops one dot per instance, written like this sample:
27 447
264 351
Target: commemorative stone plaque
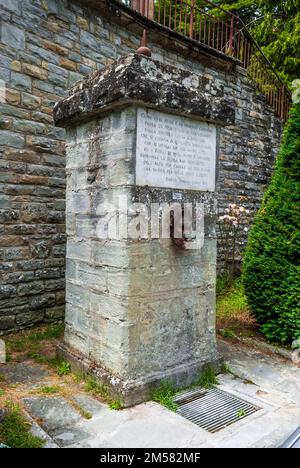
175 152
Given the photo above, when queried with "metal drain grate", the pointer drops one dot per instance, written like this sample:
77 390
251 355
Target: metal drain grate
212 409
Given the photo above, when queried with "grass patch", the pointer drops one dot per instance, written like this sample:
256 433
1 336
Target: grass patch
8 357
231 298
84 413
233 314
116 405
18 346
164 395
37 356
79 377
101 390
207 379
29 339
227 333
35 344
49 332
165 392
48 390
96 388
224 282
1 392
225 369
43 359
63 368
15 430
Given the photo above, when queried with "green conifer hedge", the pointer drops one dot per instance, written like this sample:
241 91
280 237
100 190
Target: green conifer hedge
271 268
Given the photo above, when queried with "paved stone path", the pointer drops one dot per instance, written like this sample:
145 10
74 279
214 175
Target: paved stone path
20 373
269 382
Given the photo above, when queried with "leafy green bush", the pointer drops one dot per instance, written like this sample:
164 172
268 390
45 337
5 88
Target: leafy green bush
271 269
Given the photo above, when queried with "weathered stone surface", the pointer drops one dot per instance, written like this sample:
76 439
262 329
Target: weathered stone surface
69 435
20 81
128 80
15 140
7 322
90 404
296 344
30 101
55 313
13 5
12 36
18 373
34 71
122 294
55 412
12 96
152 425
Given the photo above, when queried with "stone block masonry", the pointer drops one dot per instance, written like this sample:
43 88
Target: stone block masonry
45 47
138 309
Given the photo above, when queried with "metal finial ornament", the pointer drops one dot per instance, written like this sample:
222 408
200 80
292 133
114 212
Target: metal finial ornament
143 49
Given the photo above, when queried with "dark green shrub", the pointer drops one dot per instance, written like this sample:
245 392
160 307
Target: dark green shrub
271 269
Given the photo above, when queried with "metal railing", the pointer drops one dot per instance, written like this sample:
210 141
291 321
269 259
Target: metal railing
209 24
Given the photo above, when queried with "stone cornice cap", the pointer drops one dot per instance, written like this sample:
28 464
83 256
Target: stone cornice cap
137 79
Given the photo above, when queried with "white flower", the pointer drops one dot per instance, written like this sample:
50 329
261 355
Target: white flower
114 381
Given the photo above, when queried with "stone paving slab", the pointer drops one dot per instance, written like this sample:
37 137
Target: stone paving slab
145 425
54 413
39 432
274 374
281 425
90 404
69 435
22 372
151 425
258 429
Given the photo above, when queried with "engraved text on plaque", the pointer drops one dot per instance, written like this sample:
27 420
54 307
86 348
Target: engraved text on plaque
175 152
